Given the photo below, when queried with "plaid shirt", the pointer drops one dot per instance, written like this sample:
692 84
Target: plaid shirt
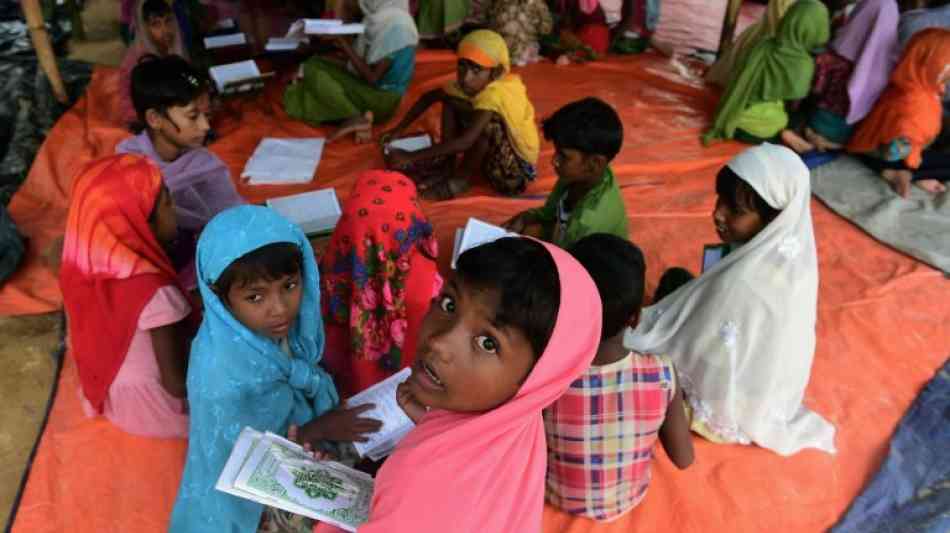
601 435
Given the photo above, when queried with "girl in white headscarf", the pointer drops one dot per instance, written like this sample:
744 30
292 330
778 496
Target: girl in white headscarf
742 335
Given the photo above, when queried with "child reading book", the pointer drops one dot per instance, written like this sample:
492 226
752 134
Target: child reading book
486 116
602 431
254 362
126 312
587 135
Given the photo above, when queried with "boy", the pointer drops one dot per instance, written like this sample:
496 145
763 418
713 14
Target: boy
601 433
587 135
171 102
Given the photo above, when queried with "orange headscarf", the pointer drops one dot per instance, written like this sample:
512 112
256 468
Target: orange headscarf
910 107
112 265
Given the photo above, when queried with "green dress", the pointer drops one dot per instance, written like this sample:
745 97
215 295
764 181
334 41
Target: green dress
437 18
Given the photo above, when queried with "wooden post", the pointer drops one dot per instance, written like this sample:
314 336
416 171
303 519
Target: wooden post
729 24
44 49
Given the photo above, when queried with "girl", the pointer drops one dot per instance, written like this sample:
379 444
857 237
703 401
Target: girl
777 70
511 330
486 116
126 312
381 66
722 72
379 275
742 335
157 33
907 118
522 23
255 359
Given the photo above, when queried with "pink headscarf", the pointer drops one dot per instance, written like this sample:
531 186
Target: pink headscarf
470 473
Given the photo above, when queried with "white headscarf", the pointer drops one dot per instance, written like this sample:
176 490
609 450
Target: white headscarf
742 335
389 28
143 43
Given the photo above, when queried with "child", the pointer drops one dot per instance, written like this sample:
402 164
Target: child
515 325
170 97
907 118
587 135
381 66
157 33
486 116
522 23
255 359
742 335
777 70
601 432
126 313
733 54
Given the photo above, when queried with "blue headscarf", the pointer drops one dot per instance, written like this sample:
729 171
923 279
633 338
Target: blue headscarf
238 378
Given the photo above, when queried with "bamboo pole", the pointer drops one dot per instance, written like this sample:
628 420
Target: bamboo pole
44 49
729 24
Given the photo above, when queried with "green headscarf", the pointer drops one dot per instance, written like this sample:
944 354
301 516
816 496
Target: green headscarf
777 69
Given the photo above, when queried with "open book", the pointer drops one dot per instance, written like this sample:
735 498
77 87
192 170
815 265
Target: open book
304 27
316 212
236 77
410 144
274 471
396 424
284 161
281 44
476 233
221 41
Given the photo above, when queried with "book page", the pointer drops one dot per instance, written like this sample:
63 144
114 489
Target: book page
242 70
221 41
302 27
411 144
341 29
396 424
477 233
314 211
277 161
280 44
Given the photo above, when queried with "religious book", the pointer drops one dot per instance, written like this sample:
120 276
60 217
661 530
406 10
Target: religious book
271 470
281 44
236 77
222 41
396 424
476 233
713 254
410 144
284 161
304 27
316 212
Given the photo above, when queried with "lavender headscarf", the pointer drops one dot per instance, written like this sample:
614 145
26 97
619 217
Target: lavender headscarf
868 40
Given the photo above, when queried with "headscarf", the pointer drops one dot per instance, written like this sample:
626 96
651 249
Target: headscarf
742 335
910 107
722 71
112 265
506 96
868 40
199 181
778 68
239 378
389 28
917 20
468 473
378 277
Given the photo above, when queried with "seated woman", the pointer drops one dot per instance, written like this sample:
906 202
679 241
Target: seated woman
522 23
742 335
777 70
369 89
724 69
907 119
378 278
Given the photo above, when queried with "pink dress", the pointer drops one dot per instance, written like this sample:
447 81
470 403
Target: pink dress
137 403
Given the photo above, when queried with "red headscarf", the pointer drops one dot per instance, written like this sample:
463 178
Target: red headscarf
910 107
377 279
112 265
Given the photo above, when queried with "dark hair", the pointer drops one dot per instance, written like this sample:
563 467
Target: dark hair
618 269
162 82
270 262
154 8
589 126
525 275
740 196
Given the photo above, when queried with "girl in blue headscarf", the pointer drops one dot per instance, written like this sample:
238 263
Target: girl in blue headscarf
254 360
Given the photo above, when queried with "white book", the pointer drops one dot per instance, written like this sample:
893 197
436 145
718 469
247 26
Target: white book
302 27
233 72
410 144
281 44
225 24
274 471
342 29
316 212
284 161
476 233
221 41
396 424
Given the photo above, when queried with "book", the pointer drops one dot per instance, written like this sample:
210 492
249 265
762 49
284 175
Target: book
303 27
410 144
230 77
221 41
225 24
316 212
714 253
281 44
476 233
396 424
271 470
284 161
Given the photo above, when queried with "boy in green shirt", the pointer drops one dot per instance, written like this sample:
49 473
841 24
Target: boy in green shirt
587 135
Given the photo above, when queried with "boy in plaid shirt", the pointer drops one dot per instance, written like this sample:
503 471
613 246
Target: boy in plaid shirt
602 432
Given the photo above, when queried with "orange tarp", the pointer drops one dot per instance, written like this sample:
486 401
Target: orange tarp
884 324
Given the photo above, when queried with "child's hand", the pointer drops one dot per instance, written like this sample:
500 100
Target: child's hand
342 425
397 158
293 434
404 397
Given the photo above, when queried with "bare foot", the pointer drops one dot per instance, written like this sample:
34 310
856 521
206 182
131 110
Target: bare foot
365 133
444 190
795 141
899 181
931 186
361 127
821 142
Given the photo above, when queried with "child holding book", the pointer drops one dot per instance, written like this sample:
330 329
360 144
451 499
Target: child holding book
486 117
587 135
254 362
602 431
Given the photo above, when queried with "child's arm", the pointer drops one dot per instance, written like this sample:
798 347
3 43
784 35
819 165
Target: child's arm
422 105
170 344
462 143
674 433
340 425
370 73
404 397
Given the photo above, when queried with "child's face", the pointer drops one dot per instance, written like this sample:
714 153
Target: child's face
465 362
736 225
473 78
574 167
161 30
267 307
184 127
163 220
